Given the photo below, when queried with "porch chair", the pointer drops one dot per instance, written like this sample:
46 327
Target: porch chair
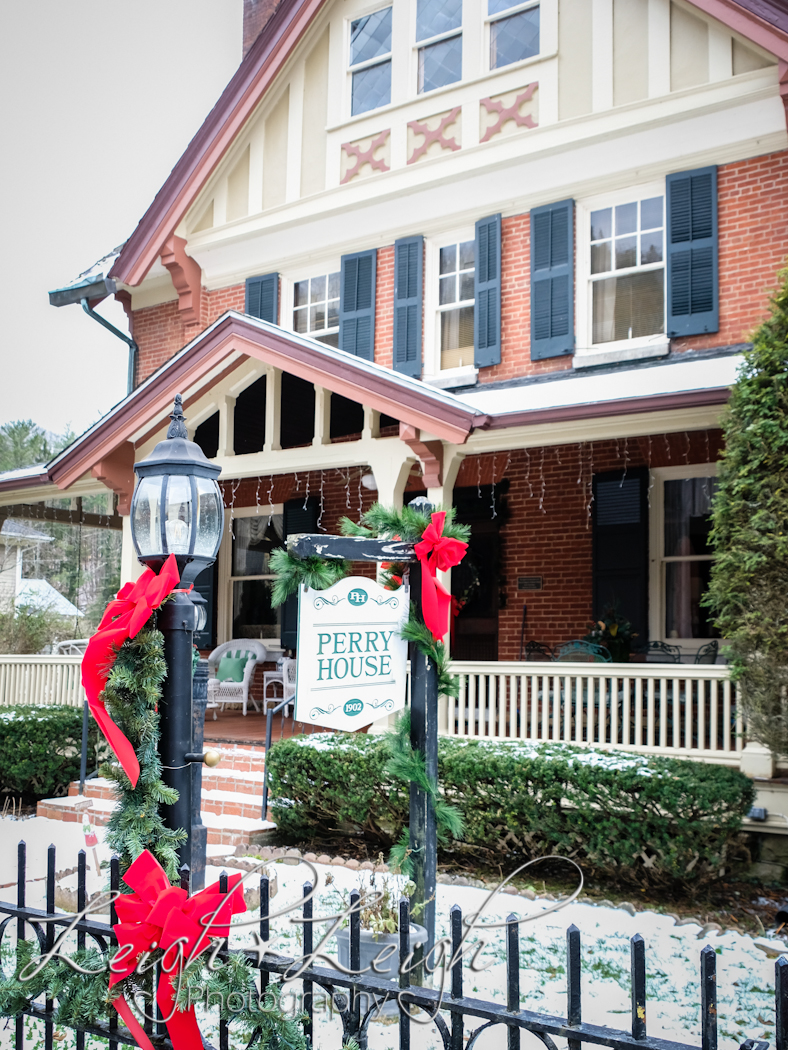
582 652
234 692
661 653
707 654
286 677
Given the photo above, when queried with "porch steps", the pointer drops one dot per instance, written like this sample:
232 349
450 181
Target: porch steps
232 796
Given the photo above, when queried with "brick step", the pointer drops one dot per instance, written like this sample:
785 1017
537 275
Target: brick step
238 781
220 797
245 759
225 828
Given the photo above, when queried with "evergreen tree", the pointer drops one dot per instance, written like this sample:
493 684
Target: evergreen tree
23 444
749 582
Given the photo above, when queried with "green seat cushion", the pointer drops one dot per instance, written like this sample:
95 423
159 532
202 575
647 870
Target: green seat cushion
231 668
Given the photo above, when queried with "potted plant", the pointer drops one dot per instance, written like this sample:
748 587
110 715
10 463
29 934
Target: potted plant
613 631
379 915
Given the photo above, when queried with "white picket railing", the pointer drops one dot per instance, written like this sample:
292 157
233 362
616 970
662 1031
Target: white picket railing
41 680
670 709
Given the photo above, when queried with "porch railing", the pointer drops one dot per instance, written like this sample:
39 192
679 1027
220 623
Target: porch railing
41 680
674 709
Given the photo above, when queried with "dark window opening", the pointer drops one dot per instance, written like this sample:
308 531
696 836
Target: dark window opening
207 436
249 428
347 417
298 412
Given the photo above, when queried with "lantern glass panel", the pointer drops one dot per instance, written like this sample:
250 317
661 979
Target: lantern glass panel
178 514
147 519
209 517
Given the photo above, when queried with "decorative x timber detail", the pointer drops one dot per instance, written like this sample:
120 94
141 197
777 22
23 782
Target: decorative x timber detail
509 112
366 156
420 127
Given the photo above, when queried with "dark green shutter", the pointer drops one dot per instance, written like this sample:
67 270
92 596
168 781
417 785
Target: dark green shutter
299 516
487 288
262 297
692 277
357 304
552 280
408 283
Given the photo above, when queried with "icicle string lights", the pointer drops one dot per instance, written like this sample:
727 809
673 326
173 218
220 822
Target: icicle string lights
542 483
257 494
492 490
626 461
650 472
306 494
687 449
478 477
360 495
590 484
528 473
322 499
270 499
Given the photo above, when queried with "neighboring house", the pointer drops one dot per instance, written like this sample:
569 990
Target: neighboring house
17 543
504 254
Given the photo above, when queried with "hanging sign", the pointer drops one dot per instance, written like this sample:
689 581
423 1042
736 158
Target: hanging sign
351 659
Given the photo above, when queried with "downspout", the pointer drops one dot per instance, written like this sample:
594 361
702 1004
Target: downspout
133 348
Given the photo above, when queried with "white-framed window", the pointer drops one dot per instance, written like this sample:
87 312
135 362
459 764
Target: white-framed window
621 286
370 61
256 533
316 307
681 558
438 43
513 31
456 297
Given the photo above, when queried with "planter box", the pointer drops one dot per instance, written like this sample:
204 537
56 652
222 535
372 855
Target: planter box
371 946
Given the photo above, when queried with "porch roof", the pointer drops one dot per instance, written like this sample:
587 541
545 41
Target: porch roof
686 380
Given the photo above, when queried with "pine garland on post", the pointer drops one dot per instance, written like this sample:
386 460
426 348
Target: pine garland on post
749 578
132 696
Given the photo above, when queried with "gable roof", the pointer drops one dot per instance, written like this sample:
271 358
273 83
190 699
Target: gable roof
761 21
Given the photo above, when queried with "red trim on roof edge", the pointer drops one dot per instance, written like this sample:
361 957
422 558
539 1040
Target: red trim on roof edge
623 407
255 73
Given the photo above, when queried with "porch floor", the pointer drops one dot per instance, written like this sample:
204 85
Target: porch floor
232 727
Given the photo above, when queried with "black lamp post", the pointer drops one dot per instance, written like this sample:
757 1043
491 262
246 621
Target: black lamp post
178 509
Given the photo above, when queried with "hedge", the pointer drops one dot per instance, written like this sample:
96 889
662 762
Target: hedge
639 818
40 750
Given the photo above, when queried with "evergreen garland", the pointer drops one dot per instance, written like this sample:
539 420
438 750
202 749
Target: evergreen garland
749 576
132 696
408 766
314 572
416 631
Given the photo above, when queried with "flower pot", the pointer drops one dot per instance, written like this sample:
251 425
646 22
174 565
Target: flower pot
371 946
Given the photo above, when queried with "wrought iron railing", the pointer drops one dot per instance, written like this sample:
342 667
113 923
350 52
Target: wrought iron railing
357 997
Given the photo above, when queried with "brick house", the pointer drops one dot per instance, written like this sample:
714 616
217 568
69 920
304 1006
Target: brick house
504 254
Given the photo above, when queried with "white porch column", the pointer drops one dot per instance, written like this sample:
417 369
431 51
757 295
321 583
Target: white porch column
322 434
273 409
226 427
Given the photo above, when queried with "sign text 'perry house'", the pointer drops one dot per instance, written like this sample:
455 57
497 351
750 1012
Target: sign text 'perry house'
351 658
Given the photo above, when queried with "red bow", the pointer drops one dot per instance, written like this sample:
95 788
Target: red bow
165 916
436 551
126 615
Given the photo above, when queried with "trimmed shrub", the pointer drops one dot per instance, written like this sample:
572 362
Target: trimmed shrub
635 817
40 750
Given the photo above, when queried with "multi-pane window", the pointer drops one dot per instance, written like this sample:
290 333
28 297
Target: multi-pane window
514 32
316 308
456 301
687 558
370 61
627 271
252 580
439 36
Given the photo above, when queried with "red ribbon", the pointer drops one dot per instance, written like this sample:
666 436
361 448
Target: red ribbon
125 617
436 551
160 915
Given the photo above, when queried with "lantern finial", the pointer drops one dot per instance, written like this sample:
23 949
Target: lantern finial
178 425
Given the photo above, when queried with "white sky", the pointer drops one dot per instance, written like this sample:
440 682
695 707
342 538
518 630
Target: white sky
100 98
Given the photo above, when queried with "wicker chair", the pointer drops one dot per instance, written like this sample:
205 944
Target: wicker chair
221 693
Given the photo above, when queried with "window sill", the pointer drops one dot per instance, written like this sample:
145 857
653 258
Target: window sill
453 377
615 353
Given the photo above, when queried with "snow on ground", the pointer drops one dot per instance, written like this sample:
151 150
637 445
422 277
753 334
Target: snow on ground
745 975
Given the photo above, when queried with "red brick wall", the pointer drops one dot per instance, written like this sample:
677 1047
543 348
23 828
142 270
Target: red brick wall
548 528
753 230
384 308
753 223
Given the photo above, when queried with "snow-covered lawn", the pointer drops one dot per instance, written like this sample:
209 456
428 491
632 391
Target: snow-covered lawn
745 974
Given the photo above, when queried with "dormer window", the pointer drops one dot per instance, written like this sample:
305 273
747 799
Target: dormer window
439 36
370 61
514 32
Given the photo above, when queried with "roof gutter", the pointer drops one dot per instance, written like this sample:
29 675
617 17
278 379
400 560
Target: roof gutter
97 290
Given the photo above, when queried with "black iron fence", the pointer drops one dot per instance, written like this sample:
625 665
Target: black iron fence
358 997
